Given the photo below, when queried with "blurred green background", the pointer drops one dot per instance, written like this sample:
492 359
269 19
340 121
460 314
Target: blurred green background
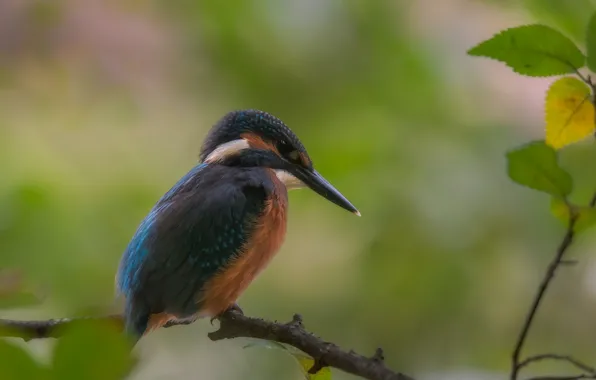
104 105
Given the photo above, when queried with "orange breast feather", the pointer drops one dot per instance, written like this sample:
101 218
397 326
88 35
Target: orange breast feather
223 290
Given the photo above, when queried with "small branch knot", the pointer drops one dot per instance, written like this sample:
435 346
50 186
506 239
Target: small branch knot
296 321
379 355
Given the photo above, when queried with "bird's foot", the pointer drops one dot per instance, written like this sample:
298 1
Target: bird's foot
235 308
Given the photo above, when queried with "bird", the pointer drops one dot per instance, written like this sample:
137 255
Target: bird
212 233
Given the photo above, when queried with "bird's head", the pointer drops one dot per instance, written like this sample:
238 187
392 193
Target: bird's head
252 138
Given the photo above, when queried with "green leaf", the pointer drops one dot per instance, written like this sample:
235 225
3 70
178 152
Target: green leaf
535 165
95 351
16 364
263 343
586 216
591 43
533 50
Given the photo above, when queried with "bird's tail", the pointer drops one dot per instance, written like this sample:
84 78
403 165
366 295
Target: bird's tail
136 320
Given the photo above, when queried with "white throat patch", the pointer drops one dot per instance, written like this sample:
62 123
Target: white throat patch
289 180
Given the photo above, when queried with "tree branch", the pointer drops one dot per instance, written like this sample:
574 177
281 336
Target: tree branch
234 324
51 328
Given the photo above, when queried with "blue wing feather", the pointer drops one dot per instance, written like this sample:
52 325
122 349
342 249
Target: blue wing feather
136 250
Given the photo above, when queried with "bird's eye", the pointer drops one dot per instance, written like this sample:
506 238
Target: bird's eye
294 156
288 152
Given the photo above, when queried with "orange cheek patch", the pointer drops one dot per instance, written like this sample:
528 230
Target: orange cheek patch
305 160
258 143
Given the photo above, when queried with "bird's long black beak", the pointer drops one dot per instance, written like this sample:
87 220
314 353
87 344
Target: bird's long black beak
321 186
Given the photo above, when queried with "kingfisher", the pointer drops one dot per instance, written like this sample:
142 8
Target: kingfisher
218 227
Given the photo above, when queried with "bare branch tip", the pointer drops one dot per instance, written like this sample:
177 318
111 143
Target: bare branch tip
379 356
296 321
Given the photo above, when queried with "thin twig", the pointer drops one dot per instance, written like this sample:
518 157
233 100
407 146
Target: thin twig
565 358
587 80
234 324
549 275
576 377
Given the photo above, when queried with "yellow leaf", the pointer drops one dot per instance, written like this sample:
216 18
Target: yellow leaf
569 112
304 361
306 364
